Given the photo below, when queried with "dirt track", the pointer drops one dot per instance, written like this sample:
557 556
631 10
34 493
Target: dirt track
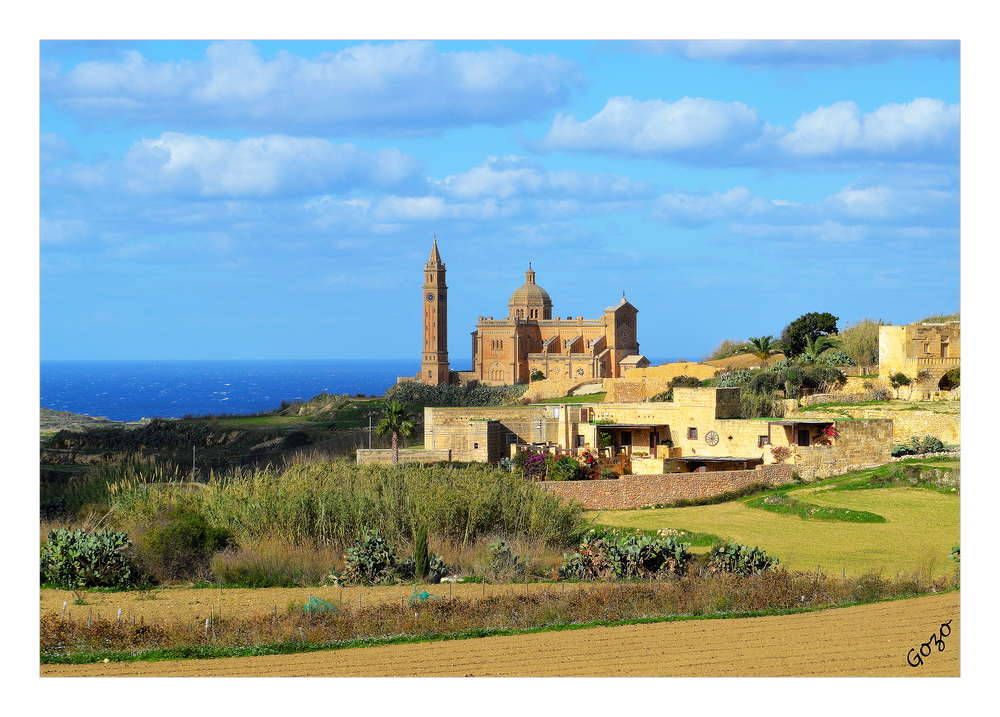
867 640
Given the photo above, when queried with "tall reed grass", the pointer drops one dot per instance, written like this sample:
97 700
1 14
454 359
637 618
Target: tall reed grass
332 503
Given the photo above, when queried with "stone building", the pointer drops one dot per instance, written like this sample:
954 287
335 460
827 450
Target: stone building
700 430
923 352
529 340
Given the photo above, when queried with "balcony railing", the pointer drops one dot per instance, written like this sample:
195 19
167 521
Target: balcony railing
937 361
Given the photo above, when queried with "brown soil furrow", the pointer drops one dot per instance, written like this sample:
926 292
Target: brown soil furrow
864 640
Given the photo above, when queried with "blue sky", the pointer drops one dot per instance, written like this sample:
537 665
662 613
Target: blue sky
277 199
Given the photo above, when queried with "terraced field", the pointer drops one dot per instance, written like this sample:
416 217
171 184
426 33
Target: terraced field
920 529
865 640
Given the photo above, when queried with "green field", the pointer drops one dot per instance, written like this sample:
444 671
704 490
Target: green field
920 529
588 398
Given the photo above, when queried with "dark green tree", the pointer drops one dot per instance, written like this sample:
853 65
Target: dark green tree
811 325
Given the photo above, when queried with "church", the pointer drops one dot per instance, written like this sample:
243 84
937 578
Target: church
529 342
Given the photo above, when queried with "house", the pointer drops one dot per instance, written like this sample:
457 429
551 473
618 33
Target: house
923 352
700 430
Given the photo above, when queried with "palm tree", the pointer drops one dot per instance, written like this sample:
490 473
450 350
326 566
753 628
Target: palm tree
815 345
762 347
397 421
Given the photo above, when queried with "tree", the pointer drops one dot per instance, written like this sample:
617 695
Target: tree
397 421
860 341
793 338
762 347
815 345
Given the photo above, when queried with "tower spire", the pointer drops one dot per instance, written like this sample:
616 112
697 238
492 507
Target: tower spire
435 256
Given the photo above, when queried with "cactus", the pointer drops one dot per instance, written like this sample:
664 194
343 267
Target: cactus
371 561
77 559
624 556
740 560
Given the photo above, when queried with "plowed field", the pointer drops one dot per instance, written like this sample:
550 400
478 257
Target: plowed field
865 640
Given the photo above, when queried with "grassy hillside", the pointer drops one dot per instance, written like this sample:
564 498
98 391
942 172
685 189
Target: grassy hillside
921 526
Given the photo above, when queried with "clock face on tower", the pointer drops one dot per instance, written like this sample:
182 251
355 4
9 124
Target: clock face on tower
430 296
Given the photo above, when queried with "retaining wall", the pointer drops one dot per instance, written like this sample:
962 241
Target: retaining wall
634 491
406 455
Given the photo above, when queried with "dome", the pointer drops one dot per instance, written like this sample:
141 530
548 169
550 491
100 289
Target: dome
531 295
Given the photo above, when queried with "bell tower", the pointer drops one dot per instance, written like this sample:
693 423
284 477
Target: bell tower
434 368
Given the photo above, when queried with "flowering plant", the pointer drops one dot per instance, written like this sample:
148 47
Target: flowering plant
826 436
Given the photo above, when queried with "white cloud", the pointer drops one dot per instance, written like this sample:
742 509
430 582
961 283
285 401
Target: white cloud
695 128
859 204
513 176
922 130
54 148
269 166
704 132
697 209
365 89
802 54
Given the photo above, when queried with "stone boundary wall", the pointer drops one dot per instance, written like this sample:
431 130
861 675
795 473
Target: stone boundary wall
633 491
406 455
905 424
551 388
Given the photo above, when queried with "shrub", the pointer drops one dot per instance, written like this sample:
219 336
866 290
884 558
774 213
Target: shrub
727 349
736 378
758 405
78 559
566 468
531 466
919 446
740 560
181 545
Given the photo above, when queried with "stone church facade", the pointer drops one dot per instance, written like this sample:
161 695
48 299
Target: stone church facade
529 340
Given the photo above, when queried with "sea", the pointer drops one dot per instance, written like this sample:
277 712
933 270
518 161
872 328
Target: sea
133 390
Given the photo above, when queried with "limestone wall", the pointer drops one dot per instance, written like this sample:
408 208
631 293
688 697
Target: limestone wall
672 370
636 491
859 444
406 455
906 424
551 388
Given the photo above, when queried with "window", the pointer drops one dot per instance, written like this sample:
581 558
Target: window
763 441
555 411
580 443
804 437
475 446
692 434
626 439
511 439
